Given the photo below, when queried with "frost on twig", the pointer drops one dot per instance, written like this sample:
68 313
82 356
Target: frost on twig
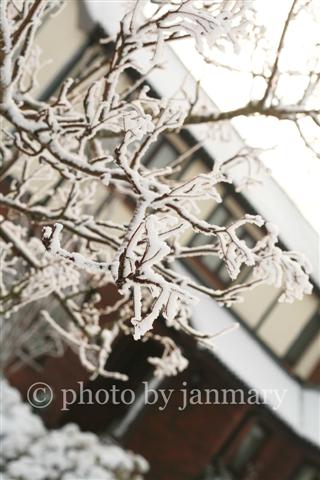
51 240
69 155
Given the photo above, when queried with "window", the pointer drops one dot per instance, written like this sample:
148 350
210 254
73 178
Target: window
283 326
244 447
248 449
221 215
308 472
161 155
215 471
300 345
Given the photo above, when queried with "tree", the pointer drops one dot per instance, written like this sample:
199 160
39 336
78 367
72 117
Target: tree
61 146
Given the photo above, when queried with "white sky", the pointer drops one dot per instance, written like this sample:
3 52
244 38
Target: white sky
292 165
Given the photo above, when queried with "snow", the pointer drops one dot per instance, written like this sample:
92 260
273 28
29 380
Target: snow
64 135
31 452
172 364
51 237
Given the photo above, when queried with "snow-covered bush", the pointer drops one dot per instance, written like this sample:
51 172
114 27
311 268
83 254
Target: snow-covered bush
31 452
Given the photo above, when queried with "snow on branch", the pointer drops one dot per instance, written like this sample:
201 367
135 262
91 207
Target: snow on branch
51 240
79 160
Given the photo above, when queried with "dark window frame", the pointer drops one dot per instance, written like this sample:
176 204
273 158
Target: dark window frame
306 464
216 273
235 439
303 340
163 140
251 456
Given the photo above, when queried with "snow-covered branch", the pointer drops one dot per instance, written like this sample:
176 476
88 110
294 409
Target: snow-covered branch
73 156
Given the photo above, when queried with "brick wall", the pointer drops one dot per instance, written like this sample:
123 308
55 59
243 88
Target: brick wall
180 444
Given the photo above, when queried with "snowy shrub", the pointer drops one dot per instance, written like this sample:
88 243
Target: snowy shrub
31 452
